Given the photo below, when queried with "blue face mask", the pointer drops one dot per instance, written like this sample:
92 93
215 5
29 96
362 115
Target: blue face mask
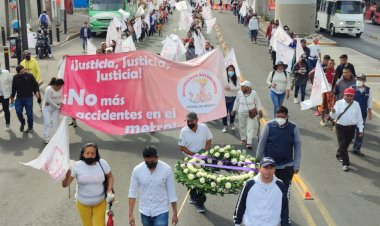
231 73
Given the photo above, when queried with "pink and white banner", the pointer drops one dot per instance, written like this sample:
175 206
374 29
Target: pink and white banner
139 91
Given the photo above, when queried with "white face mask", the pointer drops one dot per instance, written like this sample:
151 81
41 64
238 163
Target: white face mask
281 121
359 83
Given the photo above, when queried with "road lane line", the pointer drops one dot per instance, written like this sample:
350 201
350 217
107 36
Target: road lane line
183 203
305 212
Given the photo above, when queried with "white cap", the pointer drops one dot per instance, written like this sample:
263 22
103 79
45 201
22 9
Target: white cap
246 83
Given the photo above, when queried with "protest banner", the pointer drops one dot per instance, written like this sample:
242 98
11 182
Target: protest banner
139 91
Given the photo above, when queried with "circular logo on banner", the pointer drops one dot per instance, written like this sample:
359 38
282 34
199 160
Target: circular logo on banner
200 91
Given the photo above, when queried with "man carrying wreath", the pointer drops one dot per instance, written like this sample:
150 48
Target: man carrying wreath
193 138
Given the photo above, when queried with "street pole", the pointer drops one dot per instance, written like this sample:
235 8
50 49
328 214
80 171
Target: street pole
39 7
6 58
63 10
24 34
3 36
7 19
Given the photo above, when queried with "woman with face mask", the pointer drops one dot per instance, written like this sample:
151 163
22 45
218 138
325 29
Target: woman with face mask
51 106
247 100
230 90
92 195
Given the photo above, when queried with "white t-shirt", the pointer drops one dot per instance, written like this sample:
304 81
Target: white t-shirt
195 141
90 189
52 99
314 50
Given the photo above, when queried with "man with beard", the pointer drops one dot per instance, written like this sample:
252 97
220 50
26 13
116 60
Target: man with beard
193 138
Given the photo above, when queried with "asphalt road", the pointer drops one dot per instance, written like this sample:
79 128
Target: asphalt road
368 43
30 197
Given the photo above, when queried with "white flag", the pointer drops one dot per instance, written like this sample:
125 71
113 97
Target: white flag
285 54
299 50
231 59
91 48
55 158
128 45
199 43
137 27
173 48
210 24
320 85
185 21
280 36
112 33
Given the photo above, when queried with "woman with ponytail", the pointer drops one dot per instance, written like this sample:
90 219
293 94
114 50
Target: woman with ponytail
51 106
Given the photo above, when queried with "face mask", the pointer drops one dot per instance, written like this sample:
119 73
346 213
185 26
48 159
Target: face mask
231 73
359 83
151 165
27 57
191 125
281 121
89 161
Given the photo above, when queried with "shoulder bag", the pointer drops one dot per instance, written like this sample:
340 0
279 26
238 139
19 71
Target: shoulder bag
252 113
105 182
341 114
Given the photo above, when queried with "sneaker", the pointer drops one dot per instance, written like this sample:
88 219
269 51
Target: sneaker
323 123
232 127
224 130
50 55
339 159
346 168
73 124
201 209
317 113
29 130
191 201
46 141
296 100
7 128
22 127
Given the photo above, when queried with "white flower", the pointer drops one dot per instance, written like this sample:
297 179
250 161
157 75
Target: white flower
202 180
219 179
186 171
228 185
190 176
202 162
241 158
227 147
216 148
220 163
226 155
238 152
199 174
194 170
209 160
221 150
213 184
211 151
234 161
183 165
248 160
206 153
217 154
233 152
213 177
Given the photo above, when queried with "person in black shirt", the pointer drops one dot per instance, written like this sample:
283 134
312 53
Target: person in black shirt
344 64
24 85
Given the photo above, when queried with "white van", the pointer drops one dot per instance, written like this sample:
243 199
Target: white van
340 16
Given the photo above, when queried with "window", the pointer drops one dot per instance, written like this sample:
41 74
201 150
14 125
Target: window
107 5
348 7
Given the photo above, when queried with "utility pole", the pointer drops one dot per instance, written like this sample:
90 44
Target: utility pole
39 7
7 19
22 21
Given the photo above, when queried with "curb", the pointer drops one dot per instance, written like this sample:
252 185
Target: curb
373 75
68 38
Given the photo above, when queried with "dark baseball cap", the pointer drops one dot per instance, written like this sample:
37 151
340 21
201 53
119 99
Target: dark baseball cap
267 161
192 116
150 151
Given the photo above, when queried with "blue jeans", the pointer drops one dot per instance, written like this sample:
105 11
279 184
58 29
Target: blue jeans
84 43
277 100
159 220
253 35
229 105
26 102
358 140
303 91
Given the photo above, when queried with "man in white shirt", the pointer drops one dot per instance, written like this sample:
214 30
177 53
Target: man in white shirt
315 54
253 27
153 181
348 116
193 138
263 200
